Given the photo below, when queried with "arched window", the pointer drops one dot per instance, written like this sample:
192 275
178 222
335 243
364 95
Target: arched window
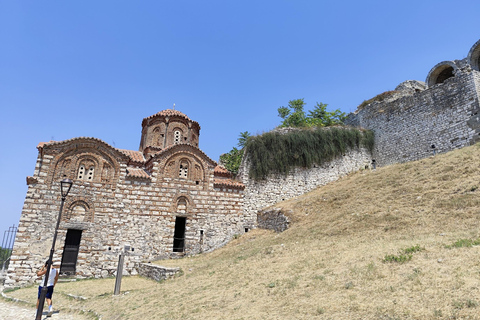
177 136
183 172
81 172
86 171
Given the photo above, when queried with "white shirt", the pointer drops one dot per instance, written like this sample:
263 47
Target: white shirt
51 277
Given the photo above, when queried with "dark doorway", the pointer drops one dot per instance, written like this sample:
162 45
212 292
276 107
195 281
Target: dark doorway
179 235
70 251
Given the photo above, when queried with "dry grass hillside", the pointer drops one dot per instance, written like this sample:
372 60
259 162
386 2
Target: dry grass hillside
400 242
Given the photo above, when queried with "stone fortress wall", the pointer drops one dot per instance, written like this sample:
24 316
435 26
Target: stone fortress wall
443 112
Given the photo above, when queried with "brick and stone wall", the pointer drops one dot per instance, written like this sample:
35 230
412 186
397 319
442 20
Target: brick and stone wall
264 193
128 200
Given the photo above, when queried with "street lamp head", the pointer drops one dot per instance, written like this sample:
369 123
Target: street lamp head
65 186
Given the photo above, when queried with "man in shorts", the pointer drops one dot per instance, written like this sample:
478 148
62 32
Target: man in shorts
52 281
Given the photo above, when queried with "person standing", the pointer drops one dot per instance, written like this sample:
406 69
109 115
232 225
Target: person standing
52 281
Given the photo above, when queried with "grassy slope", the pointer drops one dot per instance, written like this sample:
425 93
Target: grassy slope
329 264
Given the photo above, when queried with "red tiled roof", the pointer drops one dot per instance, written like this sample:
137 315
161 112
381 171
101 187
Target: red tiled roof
135 156
170 113
42 144
137 173
51 142
228 183
222 172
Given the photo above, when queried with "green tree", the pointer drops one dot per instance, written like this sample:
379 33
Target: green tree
233 158
243 138
294 115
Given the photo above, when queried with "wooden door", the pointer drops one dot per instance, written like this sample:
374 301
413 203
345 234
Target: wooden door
70 251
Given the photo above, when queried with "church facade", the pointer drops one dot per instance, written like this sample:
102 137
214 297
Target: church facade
168 199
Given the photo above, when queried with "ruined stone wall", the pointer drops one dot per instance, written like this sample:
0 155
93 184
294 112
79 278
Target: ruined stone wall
265 193
273 219
154 272
444 115
131 212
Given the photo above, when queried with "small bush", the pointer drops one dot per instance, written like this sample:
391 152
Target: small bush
464 243
404 255
320 310
401 258
413 249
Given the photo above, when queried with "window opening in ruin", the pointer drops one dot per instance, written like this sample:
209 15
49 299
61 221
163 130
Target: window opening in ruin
179 235
183 172
197 182
70 251
444 75
177 136
246 229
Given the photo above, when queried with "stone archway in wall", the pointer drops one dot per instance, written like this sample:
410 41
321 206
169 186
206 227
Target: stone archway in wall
78 210
181 209
182 204
473 57
441 72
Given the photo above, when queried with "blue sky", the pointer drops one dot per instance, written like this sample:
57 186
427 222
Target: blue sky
97 68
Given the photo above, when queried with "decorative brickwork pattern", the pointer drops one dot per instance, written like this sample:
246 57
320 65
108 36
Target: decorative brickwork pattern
130 198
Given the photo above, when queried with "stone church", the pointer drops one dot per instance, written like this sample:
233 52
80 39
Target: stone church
168 199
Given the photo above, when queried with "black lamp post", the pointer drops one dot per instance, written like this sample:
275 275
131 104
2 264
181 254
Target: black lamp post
65 186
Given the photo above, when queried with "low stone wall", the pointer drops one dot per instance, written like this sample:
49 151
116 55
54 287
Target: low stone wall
157 273
273 219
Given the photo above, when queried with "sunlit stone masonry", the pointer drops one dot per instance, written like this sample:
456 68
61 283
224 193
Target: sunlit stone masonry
168 199
420 118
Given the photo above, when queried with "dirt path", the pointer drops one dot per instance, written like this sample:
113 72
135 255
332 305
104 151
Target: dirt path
18 311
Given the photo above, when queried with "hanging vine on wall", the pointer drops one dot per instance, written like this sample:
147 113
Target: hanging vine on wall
274 152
